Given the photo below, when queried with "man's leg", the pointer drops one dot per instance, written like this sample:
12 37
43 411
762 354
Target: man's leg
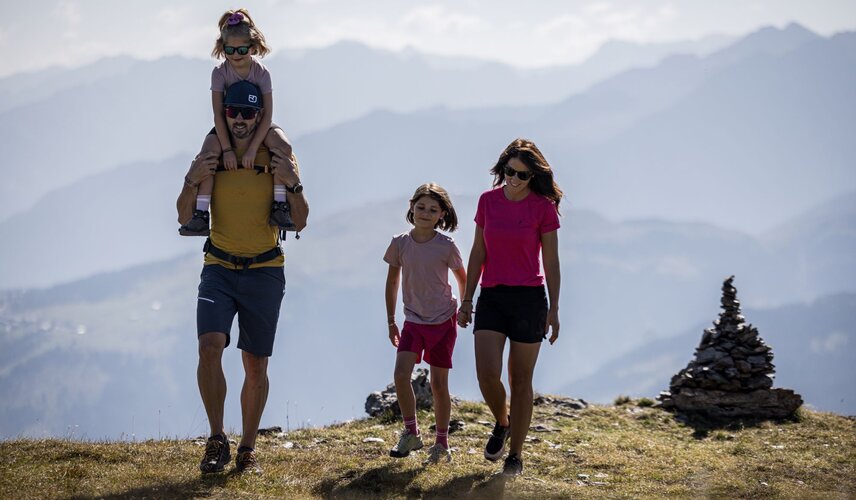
211 380
253 396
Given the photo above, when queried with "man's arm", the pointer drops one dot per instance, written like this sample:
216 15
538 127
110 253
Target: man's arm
200 168
286 171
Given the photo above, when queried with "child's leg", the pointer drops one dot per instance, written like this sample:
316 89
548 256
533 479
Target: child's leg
404 363
442 403
277 143
206 187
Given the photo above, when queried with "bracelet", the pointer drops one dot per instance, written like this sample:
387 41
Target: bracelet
469 300
391 323
189 183
227 150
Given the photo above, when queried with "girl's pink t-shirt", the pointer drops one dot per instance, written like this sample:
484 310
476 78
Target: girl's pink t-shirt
223 76
425 288
512 237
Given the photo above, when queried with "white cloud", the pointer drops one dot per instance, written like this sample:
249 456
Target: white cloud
830 343
69 13
437 19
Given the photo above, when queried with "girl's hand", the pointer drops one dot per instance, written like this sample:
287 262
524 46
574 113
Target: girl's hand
394 335
249 158
465 314
229 160
552 322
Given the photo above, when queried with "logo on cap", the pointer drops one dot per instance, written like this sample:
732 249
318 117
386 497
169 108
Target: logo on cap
253 99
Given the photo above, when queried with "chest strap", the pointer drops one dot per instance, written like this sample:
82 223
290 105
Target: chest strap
244 262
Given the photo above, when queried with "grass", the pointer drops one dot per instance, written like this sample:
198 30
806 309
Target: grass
631 450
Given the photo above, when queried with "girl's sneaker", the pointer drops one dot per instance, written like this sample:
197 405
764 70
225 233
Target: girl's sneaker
198 225
280 216
406 443
438 453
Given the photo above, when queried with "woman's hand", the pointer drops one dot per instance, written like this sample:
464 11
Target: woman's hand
552 323
394 335
465 313
229 160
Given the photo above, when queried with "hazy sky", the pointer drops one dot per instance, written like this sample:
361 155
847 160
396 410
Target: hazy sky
40 33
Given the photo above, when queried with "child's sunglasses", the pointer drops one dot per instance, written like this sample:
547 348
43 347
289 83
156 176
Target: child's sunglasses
523 176
247 113
242 50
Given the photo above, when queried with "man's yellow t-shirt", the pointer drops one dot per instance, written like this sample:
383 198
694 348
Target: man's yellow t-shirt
240 209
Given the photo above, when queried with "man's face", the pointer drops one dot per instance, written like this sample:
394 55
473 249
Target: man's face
240 126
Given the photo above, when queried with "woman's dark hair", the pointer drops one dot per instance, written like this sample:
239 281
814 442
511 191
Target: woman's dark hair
448 222
527 152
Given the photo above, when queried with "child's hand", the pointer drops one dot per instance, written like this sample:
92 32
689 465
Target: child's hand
465 313
249 158
394 335
229 160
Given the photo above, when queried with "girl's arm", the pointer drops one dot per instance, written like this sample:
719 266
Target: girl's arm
553 276
392 279
461 277
229 160
473 274
249 158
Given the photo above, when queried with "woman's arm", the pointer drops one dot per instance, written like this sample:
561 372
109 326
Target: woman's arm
261 131
474 271
391 295
553 276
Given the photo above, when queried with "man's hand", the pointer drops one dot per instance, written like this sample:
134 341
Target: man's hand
229 160
202 167
284 169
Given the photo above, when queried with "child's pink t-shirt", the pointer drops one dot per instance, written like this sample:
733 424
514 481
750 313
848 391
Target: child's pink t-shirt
425 288
512 237
224 76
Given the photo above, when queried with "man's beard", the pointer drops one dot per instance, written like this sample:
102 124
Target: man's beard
243 132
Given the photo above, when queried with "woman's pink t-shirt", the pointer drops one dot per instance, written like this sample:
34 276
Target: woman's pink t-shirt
512 237
223 76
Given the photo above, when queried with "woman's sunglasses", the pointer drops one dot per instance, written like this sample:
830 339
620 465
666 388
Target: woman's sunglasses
522 175
247 113
242 50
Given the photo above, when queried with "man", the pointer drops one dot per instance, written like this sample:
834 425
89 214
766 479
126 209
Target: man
243 273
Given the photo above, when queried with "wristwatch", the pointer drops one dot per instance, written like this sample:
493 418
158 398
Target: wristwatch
297 188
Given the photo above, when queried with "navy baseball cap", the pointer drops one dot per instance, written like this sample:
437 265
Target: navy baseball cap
244 94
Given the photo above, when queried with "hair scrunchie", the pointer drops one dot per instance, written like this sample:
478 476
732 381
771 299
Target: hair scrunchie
234 19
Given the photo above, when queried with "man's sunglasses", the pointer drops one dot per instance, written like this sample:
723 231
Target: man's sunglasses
242 50
522 175
247 113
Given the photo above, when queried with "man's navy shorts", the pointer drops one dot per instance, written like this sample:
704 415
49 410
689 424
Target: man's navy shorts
255 295
519 312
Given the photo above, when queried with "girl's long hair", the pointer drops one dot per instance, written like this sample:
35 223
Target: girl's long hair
448 222
244 28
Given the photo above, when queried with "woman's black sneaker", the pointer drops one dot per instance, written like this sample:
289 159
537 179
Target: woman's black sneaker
513 466
496 443
216 455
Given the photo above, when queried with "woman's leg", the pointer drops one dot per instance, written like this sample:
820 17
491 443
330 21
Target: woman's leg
442 402
521 366
489 346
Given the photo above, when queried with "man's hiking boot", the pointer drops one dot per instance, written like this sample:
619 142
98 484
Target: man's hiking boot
280 215
496 443
216 455
246 461
198 225
406 443
513 465
438 453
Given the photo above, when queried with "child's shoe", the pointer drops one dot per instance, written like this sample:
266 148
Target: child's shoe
280 215
406 443
438 453
198 225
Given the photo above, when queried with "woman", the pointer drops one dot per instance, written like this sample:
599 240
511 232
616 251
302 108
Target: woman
516 224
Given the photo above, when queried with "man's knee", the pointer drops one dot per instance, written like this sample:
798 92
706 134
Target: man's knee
211 346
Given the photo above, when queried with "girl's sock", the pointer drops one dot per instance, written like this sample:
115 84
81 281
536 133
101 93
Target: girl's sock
203 201
411 426
442 437
279 192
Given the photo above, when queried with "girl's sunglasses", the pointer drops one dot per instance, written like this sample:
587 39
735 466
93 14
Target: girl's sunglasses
523 176
247 113
242 50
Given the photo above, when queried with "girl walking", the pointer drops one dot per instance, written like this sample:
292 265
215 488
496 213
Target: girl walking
421 259
241 44
516 225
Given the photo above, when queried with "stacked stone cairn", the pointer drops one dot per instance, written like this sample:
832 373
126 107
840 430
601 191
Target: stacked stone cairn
379 403
731 376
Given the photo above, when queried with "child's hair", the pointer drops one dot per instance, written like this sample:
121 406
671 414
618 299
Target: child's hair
527 152
448 222
238 23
